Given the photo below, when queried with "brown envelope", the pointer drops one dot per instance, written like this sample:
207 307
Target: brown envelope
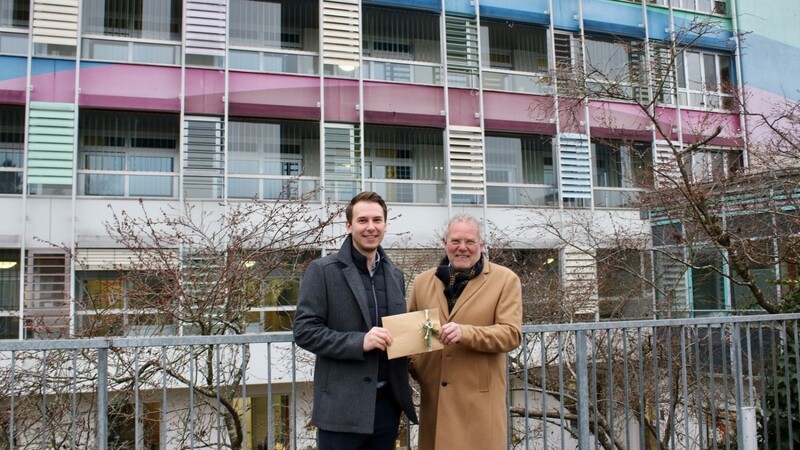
407 334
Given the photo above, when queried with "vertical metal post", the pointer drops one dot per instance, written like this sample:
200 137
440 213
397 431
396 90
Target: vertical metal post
102 398
749 434
583 389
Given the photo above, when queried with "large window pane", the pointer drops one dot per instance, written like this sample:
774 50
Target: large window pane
513 161
288 24
12 132
145 19
514 47
9 280
413 158
128 154
14 13
266 158
404 35
622 165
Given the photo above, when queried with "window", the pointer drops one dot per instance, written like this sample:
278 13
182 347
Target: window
257 415
128 154
706 6
121 21
272 159
14 20
708 281
614 68
519 170
705 80
393 39
290 28
14 13
405 164
538 270
12 134
9 293
509 46
622 276
714 164
618 166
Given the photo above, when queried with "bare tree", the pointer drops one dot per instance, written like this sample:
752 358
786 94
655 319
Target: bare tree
226 269
718 212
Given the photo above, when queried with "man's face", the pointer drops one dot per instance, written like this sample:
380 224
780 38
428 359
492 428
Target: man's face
368 227
463 245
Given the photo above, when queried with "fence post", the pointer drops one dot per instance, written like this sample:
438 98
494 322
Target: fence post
749 435
102 399
582 374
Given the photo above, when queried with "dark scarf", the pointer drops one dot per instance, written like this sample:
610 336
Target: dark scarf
456 280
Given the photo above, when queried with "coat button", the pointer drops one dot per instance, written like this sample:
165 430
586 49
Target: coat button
444 383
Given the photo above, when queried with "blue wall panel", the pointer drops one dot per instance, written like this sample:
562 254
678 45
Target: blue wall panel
565 13
529 11
613 17
460 6
12 67
432 5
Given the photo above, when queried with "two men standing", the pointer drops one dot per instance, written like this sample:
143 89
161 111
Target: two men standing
358 392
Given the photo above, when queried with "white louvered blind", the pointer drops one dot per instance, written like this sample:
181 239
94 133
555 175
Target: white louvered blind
203 160
462 44
466 161
205 27
576 175
340 32
51 131
580 279
342 161
55 22
104 259
667 171
672 281
47 292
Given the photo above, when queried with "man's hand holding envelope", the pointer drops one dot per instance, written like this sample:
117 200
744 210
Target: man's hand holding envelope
414 332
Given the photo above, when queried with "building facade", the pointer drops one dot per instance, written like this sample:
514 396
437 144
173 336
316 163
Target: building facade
439 106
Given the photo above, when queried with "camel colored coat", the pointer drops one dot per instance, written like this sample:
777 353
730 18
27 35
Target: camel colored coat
464 386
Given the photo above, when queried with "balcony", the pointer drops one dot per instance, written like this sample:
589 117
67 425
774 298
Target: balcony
678 383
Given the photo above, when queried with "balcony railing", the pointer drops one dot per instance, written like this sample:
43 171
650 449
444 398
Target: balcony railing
678 384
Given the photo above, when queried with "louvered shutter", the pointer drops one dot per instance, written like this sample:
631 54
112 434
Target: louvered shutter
55 22
461 35
667 171
466 161
203 159
47 292
104 259
51 131
662 69
576 175
342 161
205 27
340 32
638 72
671 276
580 279
566 72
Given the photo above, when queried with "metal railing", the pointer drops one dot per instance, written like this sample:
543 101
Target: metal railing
683 383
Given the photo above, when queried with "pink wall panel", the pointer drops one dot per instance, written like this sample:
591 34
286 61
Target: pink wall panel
131 87
612 120
204 91
464 106
341 100
399 104
55 81
270 95
523 113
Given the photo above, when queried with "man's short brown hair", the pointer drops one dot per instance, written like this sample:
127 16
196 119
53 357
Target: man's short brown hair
366 196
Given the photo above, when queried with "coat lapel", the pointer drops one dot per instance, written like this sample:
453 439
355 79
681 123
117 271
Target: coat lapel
353 279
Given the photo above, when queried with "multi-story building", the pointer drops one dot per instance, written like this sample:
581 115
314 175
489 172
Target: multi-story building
437 105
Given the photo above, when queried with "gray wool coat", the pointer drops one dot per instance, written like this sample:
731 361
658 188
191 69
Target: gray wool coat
332 319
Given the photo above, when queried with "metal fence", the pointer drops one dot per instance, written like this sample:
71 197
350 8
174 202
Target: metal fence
708 383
